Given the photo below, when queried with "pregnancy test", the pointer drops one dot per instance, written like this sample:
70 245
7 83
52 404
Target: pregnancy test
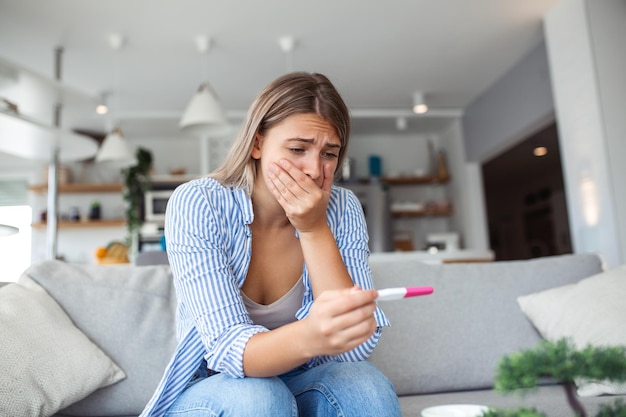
403 292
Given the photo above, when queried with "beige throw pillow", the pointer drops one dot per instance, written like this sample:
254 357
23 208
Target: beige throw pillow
590 312
47 362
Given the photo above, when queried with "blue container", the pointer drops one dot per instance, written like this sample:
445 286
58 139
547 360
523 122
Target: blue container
376 166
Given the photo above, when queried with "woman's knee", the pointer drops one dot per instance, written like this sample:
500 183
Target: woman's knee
361 378
350 389
220 395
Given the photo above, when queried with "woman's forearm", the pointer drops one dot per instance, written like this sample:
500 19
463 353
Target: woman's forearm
327 270
275 352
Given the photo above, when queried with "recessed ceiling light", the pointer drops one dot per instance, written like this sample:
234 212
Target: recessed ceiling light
102 109
419 103
540 151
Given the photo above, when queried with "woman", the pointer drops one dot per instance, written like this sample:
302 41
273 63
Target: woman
276 311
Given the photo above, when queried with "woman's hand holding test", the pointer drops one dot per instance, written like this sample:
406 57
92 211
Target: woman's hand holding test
340 320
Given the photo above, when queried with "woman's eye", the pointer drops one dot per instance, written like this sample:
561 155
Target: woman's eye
331 155
296 150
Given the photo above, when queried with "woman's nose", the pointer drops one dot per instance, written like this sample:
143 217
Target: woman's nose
313 167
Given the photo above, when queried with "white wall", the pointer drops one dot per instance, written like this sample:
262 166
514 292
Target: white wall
608 28
517 105
470 217
588 63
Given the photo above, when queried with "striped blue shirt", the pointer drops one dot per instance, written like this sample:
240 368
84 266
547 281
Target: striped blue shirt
209 248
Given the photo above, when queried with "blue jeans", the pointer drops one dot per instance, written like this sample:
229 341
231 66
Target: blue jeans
342 389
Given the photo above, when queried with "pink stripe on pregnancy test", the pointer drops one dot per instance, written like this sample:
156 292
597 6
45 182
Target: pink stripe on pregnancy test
403 292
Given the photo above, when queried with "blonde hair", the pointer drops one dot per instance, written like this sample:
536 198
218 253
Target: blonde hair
293 93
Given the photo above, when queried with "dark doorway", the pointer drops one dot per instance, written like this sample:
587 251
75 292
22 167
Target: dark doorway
525 199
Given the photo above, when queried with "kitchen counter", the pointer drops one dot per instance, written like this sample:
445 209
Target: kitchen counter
442 256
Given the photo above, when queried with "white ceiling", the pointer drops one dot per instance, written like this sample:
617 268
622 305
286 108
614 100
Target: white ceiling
377 52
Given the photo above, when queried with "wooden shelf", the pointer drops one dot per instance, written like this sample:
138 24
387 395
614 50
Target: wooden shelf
80 188
424 180
434 212
430 179
83 224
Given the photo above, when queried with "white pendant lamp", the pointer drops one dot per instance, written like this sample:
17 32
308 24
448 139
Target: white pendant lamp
204 115
115 148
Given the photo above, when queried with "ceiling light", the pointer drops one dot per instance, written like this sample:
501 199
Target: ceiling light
116 148
7 230
540 151
419 103
204 115
101 107
288 45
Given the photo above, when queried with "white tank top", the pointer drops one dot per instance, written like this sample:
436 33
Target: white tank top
280 312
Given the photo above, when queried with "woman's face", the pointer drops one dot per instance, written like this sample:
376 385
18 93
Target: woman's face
306 140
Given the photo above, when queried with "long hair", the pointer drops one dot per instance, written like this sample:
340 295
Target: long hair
293 93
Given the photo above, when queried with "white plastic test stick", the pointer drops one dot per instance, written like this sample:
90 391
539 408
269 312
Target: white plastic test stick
402 292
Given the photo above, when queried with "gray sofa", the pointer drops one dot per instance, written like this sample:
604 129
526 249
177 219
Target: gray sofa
441 349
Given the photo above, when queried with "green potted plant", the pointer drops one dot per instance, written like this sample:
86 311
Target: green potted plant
136 181
95 210
562 362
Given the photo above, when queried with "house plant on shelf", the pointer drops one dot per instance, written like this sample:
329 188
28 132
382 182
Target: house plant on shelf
562 362
136 181
95 210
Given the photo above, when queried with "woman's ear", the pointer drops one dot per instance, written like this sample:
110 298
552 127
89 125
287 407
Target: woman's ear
256 149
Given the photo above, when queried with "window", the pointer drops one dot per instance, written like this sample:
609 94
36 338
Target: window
15 250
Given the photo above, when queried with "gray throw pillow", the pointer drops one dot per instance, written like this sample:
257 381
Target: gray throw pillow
129 312
47 362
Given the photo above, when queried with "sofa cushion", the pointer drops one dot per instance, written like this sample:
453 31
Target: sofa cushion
126 310
591 312
453 339
47 362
